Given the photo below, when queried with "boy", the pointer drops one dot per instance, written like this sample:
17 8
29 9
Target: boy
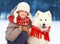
20 23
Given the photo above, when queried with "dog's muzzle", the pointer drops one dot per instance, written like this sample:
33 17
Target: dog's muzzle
43 25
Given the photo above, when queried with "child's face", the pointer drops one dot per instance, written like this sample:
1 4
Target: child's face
22 14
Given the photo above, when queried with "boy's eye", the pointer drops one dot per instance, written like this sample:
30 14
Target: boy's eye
45 19
25 12
40 19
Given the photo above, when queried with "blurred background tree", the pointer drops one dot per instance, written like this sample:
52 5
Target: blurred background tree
44 5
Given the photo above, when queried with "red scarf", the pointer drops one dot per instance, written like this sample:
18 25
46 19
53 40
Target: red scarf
36 32
20 21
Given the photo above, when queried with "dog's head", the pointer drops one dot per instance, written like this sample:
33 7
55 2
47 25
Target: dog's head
42 20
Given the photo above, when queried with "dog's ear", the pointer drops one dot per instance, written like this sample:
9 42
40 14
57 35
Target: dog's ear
49 13
37 13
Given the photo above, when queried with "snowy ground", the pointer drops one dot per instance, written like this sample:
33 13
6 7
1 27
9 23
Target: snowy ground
54 33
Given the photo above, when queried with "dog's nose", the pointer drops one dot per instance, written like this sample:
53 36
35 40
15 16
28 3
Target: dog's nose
43 24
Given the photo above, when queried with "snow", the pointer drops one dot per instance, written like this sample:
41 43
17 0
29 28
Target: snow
54 32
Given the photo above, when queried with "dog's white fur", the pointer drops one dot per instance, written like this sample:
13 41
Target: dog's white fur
42 16
38 21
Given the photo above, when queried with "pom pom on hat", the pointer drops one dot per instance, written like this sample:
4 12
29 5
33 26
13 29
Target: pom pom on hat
23 6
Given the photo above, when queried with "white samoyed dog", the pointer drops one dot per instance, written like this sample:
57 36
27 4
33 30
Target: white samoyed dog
40 30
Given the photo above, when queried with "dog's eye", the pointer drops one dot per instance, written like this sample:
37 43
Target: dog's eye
40 19
45 19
